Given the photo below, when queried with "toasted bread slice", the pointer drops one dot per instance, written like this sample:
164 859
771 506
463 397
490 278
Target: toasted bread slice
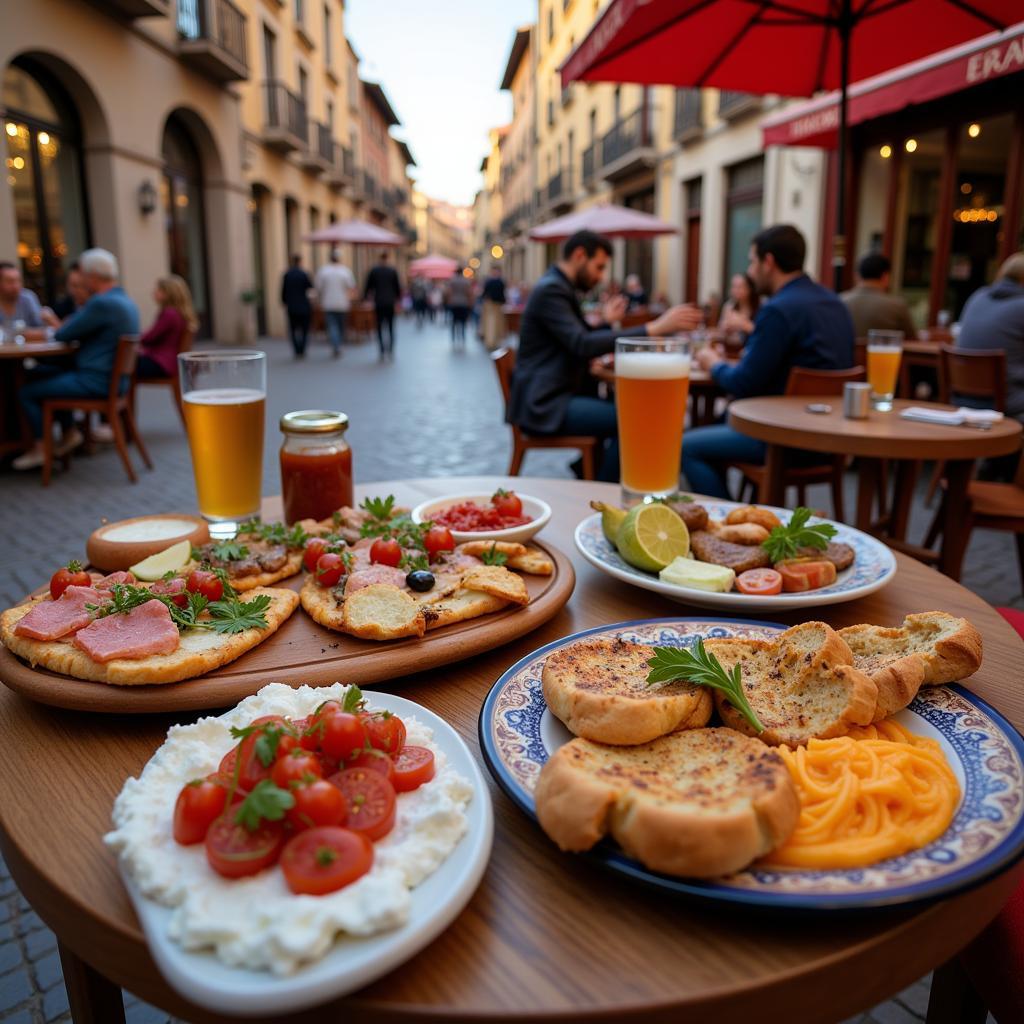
699 803
382 612
950 648
752 514
801 684
525 559
458 607
497 581
598 688
746 534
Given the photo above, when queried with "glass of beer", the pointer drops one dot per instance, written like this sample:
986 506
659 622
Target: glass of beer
885 348
652 384
224 393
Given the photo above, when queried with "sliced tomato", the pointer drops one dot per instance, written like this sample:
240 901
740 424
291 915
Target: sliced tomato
413 767
759 581
199 804
375 760
244 760
234 852
322 860
343 734
384 731
316 803
371 801
799 576
295 766
208 584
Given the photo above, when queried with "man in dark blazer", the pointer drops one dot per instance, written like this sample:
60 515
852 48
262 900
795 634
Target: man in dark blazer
295 289
552 389
383 286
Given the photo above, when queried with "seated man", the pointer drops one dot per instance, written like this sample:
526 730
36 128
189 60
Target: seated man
802 324
871 305
97 327
552 390
19 305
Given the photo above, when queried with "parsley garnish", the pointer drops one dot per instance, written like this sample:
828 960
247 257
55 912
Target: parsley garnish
379 508
269 739
266 802
275 533
698 666
353 702
785 541
228 615
236 616
494 556
414 563
229 551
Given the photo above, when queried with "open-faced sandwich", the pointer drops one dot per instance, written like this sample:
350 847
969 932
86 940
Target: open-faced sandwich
400 579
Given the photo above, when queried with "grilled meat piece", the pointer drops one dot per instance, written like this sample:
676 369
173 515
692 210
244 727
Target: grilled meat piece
695 516
738 557
274 558
840 555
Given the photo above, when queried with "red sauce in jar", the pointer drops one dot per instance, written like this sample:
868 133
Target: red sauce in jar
469 517
315 482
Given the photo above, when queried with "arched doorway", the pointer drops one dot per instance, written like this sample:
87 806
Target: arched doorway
184 217
44 170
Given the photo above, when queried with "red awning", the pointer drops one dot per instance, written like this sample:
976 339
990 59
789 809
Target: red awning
816 122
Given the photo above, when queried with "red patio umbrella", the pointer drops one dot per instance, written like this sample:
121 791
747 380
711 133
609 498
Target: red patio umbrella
358 232
605 219
434 267
790 47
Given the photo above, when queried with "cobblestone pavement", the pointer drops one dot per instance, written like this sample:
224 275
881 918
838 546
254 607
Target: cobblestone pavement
431 412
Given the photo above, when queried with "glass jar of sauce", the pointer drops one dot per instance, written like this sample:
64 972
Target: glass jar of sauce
316 464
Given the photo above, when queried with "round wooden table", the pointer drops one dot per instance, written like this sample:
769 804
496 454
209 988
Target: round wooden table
784 422
547 936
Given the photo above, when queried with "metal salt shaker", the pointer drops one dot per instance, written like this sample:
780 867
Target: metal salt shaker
856 400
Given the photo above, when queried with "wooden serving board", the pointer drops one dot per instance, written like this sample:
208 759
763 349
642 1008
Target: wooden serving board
303 652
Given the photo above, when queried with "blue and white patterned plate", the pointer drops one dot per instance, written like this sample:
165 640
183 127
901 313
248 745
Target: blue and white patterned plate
518 734
874 566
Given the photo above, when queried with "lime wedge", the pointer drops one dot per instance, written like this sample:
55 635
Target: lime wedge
169 560
652 536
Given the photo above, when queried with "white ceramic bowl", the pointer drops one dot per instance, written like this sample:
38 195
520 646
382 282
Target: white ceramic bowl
538 511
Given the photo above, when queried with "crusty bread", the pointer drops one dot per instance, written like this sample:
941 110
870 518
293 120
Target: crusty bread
525 559
800 684
948 647
382 612
462 605
497 581
738 533
752 514
598 688
699 803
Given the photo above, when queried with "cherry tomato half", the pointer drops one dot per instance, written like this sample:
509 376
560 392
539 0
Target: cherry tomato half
413 767
798 576
322 860
244 760
759 581
313 550
173 588
343 734
295 766
507 503
199 804
200 581
329 569
234 852
316 803
376 761
384 730
70 575
438 539
371 801
385 552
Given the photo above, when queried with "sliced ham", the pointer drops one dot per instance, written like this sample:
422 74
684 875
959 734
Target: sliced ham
374 574
107 582
50 620
141 632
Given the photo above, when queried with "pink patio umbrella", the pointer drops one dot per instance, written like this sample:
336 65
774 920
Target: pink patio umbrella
356 232
606 219
435 267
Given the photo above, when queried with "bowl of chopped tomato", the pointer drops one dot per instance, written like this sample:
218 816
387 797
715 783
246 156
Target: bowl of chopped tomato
503 515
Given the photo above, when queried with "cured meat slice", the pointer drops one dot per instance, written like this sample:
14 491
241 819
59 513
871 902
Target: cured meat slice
50 620
374 574
139 633
108 582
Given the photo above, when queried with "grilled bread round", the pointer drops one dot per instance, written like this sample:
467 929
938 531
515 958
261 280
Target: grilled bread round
598 688
699 803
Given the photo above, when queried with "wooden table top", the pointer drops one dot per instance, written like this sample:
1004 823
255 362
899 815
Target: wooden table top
35 349
547 936
783 419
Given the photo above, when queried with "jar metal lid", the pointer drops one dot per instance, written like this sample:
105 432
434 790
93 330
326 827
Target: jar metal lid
313 421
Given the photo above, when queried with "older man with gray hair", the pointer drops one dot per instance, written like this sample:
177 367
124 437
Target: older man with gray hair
97 326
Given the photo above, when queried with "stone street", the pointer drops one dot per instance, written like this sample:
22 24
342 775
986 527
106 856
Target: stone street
433 411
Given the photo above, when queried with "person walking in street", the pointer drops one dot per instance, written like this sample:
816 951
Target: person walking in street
459 302
295 289
335 287
494 309
871 305
418 293
383 286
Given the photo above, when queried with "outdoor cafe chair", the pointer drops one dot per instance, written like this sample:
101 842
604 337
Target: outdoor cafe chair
504 362
117 408
174 381
807 382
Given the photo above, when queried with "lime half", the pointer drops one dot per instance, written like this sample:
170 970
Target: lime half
652 536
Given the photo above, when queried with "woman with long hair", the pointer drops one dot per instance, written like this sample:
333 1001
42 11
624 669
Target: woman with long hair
160 345
741 307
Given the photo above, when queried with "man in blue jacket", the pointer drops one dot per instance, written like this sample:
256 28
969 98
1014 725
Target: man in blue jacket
96 327
802 324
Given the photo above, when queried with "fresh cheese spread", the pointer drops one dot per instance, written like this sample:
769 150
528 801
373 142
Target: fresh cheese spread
257 922
142 530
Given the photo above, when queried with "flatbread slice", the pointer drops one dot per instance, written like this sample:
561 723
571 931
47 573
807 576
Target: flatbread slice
462 605
320 603
526 559
199 652
382 612
497 581
244 584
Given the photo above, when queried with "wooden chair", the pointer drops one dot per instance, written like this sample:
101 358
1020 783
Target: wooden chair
174 381
504 362
808 382
116 407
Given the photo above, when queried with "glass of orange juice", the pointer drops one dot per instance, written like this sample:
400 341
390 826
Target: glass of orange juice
885 349
652 384
224 393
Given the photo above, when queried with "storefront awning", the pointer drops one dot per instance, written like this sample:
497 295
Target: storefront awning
816 122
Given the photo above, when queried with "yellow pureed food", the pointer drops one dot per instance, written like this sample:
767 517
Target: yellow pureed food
876 793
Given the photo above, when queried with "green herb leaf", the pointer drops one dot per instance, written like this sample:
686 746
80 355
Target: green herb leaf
353 702
229 551
411 562
235 616
379 508
785 541
700 666
493 556
266 802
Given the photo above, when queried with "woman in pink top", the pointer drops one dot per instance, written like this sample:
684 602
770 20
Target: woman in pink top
160 345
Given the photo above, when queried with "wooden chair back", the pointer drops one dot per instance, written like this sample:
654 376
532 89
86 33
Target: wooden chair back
860 352
125 358
504 360
976 373
821 382
187 340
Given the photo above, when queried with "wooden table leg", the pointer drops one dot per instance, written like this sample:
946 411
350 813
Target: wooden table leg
955 528
773 491
867 488
92 997
953 999
902 497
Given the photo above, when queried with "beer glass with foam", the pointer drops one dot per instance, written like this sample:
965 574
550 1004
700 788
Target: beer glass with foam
224 394
652 384
885 349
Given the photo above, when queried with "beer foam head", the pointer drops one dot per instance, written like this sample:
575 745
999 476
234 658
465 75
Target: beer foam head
223 396
652 365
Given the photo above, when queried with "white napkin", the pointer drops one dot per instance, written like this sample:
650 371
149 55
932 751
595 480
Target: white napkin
956 418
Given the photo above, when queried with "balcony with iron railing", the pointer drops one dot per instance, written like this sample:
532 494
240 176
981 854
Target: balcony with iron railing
319 151
134 8
689 117
627 147
554 190
589 165
341 169
212 38
285 125
732 103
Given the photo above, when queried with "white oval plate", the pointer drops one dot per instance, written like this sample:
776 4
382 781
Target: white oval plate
351 962
873 567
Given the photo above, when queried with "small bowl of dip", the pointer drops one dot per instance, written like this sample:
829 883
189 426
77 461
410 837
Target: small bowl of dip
473 517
